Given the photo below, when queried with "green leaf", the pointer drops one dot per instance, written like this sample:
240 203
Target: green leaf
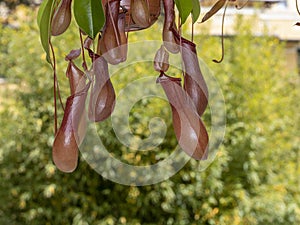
184 7
44 20
40 12
89 16
196 10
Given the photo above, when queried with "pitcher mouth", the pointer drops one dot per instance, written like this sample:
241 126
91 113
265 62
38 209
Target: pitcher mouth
164 77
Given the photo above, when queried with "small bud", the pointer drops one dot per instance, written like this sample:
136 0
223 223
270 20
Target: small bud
161 60
140 13
61 18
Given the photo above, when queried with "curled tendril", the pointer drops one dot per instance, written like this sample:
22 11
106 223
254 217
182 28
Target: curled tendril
222 35
297 7
192 38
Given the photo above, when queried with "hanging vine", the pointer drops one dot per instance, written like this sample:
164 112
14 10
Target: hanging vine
102 33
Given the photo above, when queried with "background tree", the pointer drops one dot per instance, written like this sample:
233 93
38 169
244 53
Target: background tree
13 3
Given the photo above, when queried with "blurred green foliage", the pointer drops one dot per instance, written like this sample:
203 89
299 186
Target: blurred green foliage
14 3
253 180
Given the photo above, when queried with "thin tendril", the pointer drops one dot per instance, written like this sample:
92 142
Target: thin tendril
55 76
148 9
242 6
222 35
297 7
59 96
98 47
84 64
180 45
54 88
114 25
82 49
127 35
192 33
92 76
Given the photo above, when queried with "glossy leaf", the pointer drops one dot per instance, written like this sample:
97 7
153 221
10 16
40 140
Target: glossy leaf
44 21
89 16
196 10
184 7
41 11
